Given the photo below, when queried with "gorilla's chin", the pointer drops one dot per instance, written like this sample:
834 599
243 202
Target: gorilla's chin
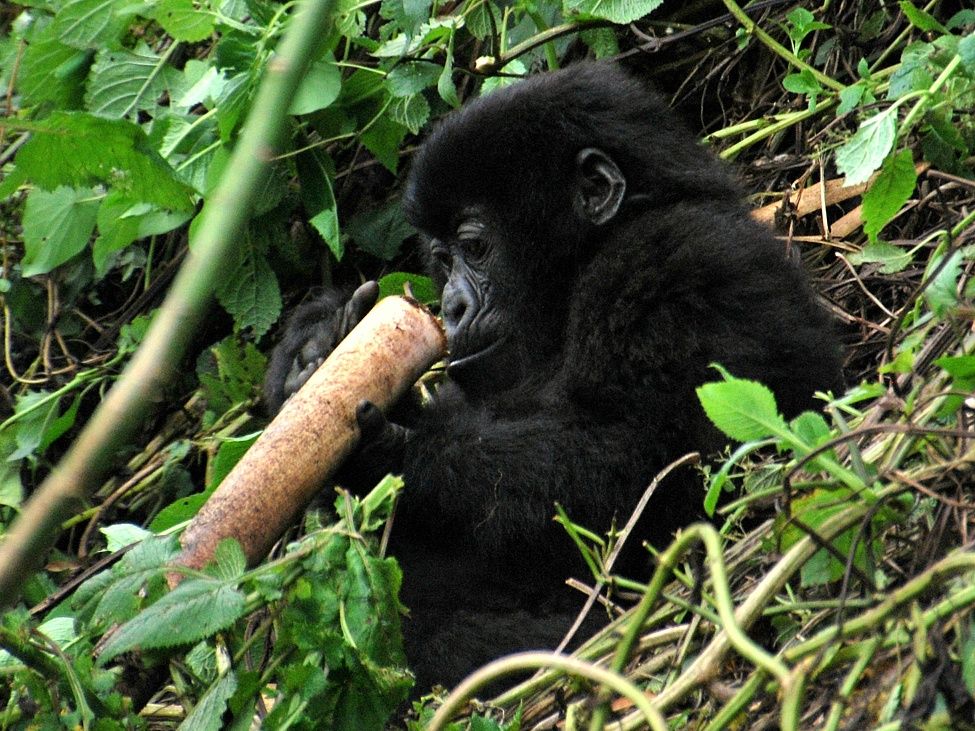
488 369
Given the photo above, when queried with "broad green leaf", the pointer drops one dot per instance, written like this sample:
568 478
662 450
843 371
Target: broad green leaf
865 151
120 535
383 139
892 258
250 291
57 226
230 563
966 49
77 149
850 98
744 410
445 84
616 11
53 72
889 192
195 609
958 366
412 112
319 88
802 83
179 511
601 41
207 714
91 23
912 73
942 293
123 83
315 174
185 20
228 455
408 15
921 19
411 77
513 71
121 221
380 232
423 288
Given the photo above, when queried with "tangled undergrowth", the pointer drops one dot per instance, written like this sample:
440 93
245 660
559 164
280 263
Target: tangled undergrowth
835 588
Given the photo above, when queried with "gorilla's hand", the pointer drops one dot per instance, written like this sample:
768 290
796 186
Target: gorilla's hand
381 447
313 332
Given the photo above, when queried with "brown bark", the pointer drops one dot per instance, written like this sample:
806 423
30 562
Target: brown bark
382 357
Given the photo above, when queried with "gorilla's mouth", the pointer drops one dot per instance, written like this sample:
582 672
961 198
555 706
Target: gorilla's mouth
463 364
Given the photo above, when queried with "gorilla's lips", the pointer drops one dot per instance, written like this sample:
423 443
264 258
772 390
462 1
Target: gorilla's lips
462 364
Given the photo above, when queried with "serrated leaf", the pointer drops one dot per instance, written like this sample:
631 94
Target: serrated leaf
966 49
123 83
411 77
865 151
250 291
893 259
383 139
380 232
412 112
79 150
850 98
921 19
408 15
207 714
744 410
230 563
889 192
423 288
616 11
195 609
52 72
89 23
57 226
942 293
319 88
120 535
185 20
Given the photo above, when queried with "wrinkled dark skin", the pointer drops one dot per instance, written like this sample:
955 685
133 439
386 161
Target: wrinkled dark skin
594 260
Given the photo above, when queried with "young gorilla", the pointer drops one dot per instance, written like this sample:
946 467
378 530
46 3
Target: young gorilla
594 261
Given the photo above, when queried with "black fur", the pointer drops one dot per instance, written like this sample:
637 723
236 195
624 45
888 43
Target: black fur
603 330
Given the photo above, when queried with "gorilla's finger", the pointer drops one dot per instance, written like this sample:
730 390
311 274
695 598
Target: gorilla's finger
359 304
372 421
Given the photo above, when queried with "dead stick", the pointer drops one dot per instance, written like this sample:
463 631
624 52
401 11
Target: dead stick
393 345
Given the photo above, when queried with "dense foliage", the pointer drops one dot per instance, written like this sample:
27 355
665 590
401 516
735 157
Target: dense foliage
118 122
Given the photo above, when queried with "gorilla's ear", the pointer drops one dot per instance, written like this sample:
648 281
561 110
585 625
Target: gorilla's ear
600 186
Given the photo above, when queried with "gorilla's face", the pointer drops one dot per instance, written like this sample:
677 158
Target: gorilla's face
484 309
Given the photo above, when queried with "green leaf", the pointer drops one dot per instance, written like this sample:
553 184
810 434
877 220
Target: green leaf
229 453
184 20
207 714
79 150
408 15
230 563
120 535
423 288
250 291
197 608
179 511
866 149
850 98
316 172
893 258
744 410
966 49
383 139
380 232
412 112
52 72
445 86
123 83
319 88
57 226
921 19
411 77
889 192
90 23
616 11
942 293
122 221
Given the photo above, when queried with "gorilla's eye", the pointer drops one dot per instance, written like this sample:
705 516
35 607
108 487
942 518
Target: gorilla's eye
441 255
